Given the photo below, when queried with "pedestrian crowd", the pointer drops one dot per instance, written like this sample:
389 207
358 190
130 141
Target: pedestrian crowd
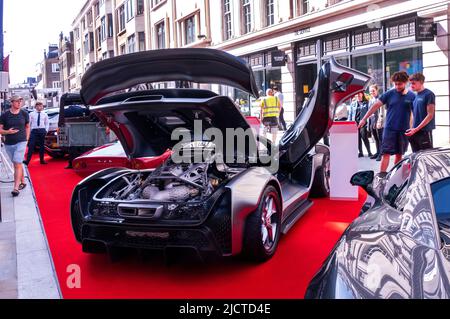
394 120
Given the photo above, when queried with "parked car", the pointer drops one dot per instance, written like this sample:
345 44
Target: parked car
113 155
78 130
399 247
208 206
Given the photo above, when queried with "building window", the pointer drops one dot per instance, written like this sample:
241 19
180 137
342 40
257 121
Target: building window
110 26
141 39
140 7
91 41
121 17
56 84
103 29
104 55
189 30
227 24
131 44
97 9
83 25
99 37
366 37
122 49
111 53
161 36
89 17
86 44
408 60
77 33
336 44
305 6
78 56
270 12
401 30
156 2
247 16
306 50
130 11
55 67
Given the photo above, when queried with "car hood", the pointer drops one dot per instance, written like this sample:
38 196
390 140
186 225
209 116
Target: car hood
185 64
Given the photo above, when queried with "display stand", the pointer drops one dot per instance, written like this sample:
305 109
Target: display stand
343 160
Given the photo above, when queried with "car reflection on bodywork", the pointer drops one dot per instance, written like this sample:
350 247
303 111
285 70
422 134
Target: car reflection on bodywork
399 246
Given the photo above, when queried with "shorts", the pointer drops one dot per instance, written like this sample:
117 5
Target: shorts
394 142
270 121
422 140
16 152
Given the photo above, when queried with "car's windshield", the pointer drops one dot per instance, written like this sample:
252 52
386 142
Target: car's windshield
396 181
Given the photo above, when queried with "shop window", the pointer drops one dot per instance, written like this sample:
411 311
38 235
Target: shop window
256 60
365 37
371 64
408 60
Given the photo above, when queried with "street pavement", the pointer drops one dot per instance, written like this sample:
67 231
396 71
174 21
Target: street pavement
26 266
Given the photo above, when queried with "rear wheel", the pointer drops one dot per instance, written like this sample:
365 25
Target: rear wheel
262 231
321 184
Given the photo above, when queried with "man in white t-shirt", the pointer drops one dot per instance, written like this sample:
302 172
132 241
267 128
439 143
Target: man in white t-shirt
280 97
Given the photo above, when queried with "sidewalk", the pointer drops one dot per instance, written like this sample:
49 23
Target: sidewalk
26 266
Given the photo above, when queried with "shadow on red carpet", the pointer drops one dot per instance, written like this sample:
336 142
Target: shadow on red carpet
300 253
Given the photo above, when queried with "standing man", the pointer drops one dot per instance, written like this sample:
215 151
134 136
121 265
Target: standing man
39 127
15 125
421 133
374 120
398 101
270 109
280 96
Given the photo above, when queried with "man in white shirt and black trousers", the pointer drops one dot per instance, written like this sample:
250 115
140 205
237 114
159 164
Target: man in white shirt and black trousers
39 128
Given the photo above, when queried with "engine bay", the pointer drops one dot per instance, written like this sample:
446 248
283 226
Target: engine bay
171 182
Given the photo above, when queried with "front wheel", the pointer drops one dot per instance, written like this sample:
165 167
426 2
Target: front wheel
262 230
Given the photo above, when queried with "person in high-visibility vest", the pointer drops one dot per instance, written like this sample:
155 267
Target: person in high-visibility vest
270 111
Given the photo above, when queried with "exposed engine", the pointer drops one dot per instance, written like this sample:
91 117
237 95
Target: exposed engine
171 182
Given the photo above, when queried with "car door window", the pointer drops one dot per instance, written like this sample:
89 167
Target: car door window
395 189
440 192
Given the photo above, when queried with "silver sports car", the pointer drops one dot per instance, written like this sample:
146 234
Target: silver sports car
239 197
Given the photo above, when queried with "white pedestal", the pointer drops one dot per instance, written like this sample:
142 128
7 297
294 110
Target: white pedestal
343 160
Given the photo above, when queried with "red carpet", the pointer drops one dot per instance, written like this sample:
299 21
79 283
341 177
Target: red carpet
286 275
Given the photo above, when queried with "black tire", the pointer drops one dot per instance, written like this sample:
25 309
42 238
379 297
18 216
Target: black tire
321 183
76 220
255 248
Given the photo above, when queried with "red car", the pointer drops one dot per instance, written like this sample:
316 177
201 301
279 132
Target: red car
113 155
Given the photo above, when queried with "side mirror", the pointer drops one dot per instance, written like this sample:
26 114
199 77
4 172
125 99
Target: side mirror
365 180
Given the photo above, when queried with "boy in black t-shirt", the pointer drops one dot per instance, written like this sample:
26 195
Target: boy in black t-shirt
15 125
420 134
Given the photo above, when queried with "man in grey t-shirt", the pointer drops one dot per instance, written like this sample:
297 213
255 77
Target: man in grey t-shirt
15 126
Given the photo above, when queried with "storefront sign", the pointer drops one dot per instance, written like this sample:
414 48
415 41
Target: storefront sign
278 58
303 31
426 29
